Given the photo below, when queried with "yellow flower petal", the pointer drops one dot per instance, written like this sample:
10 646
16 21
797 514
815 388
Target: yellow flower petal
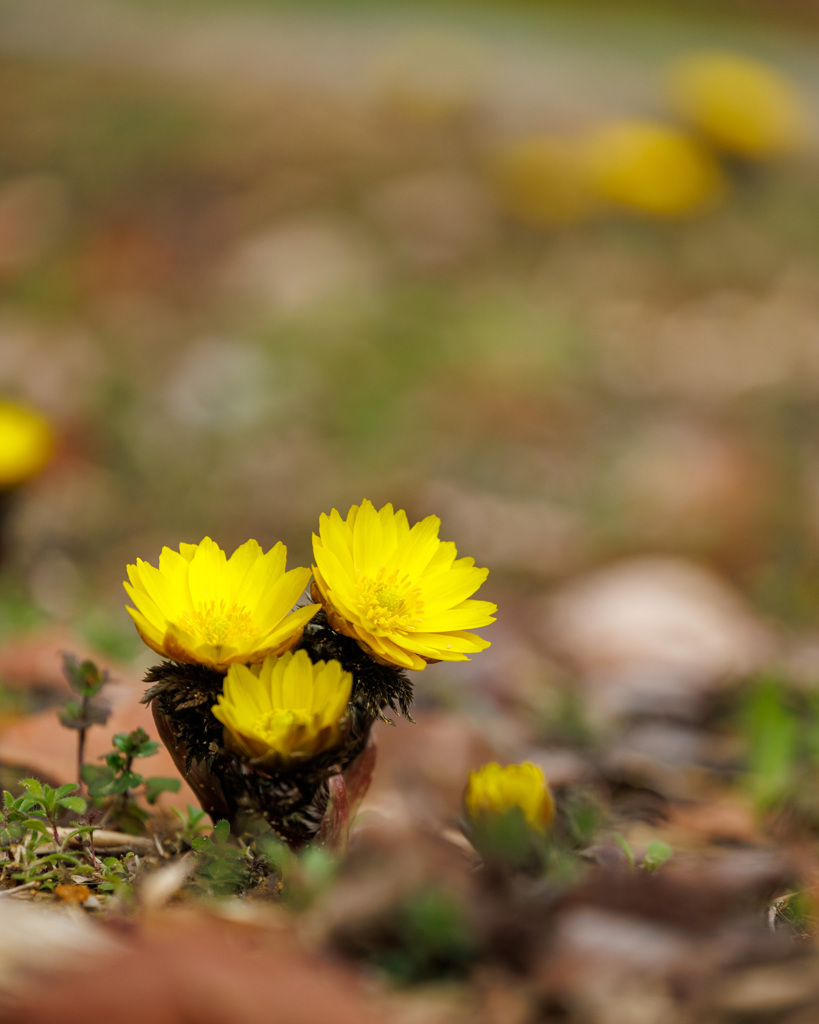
198 606
496 790
292 709
400 592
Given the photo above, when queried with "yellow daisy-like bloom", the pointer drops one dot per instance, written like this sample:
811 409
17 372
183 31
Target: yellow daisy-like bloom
26 443
651 168
740 104
201 606
495 789
400 592
292 708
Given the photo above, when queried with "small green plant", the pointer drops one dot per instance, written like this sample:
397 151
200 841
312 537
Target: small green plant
222 867
113 785
115 875
80 713
657 853
772 728
192 823
303 876
779 724
428 937
35 848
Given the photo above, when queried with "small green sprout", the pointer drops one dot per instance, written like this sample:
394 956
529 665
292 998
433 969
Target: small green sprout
86 680
192 823
657 853
112 785
222 867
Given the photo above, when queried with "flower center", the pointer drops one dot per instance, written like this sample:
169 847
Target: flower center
220 624
275 725
389 604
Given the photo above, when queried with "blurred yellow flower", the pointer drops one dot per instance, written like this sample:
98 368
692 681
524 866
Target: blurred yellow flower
651 168
495 789
290 708
200 606
542 181
741 105
26 443
400 592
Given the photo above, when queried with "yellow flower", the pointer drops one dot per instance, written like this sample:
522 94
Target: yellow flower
400 593
741 105
651 168
291 708
494 790
200 606
26 443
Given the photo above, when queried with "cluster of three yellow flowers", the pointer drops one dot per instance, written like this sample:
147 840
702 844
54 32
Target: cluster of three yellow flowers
399 591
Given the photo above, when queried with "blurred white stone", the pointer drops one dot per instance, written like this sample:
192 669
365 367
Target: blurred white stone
617 940
302 263
653 633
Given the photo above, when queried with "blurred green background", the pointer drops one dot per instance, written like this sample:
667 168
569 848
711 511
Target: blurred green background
259 260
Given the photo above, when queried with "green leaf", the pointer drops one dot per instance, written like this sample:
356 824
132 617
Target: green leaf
99 779
115 761
158 785
657 853
58 857
33 787
221 830
772 733
37 825
622 842
83 677
74 803
63 791
132 743
80 831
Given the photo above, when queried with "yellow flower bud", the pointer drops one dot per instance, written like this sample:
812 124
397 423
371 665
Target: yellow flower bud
495 789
